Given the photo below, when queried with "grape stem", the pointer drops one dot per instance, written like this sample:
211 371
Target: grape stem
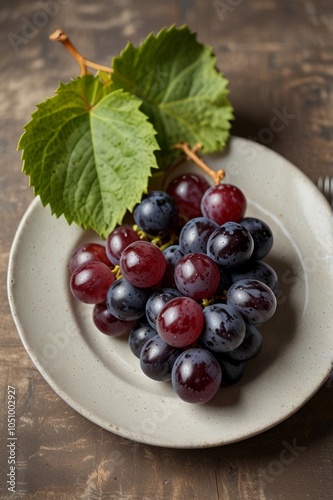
191 153
208 301
116 272
60 36
157 240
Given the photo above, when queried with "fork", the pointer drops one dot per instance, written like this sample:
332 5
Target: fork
325 185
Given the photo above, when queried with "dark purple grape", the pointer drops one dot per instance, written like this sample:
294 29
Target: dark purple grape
156 214
197 276
172 255
224 328
194 235
109 324
232 370
224 285
253 299
261 234
157 301
196 376
250 347
118 240
188 190
125 301
157 359
230 245
139 335
258 270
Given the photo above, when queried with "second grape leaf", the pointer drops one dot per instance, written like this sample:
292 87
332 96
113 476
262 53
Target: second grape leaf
182 92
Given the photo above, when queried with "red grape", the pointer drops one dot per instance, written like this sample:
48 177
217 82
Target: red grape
142 264
180 322
90 282
223 203
118 240
88 253
188 190
197 276
109 324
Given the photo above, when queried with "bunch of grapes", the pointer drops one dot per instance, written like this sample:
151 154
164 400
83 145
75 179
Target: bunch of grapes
186 283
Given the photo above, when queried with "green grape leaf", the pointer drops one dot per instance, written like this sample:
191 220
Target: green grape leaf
182 92
89 151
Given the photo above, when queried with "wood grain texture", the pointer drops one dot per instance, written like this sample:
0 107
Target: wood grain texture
278 58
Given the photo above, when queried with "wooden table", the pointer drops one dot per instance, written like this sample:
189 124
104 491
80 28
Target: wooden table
278 58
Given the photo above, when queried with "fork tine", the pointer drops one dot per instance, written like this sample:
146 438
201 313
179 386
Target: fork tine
325 185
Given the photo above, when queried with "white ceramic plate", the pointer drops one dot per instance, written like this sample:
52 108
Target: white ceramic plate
100 378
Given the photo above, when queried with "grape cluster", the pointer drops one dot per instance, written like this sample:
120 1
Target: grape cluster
186 283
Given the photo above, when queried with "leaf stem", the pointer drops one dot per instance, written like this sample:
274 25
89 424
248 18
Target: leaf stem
60 36
191 153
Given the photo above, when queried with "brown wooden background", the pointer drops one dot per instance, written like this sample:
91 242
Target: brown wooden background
278 55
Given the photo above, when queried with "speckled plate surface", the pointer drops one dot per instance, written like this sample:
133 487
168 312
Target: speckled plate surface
100 378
